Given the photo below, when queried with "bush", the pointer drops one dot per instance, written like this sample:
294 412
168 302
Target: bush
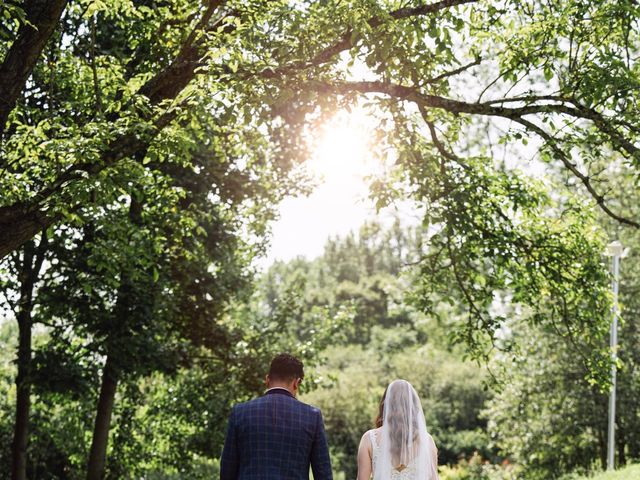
478 469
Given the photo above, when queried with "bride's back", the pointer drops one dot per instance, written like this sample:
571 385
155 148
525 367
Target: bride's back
399 471
401 448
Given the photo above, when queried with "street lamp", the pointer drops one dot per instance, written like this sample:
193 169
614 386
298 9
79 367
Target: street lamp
615 250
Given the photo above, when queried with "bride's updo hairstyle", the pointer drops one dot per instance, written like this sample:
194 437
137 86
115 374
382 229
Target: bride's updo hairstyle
405 441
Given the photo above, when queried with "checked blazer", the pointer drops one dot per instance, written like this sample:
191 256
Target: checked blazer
275 437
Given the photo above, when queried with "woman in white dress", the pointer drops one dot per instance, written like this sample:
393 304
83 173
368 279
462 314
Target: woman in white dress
400 447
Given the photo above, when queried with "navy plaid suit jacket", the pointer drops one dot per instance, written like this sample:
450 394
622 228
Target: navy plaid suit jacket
275 437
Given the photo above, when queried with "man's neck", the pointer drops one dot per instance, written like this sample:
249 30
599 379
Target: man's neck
281 387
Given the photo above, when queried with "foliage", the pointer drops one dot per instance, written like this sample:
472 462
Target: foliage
477 469
361 273
496 237
546 416
265 87
550 420
151 141
558 71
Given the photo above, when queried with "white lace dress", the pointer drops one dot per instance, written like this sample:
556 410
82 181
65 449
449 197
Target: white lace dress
406 473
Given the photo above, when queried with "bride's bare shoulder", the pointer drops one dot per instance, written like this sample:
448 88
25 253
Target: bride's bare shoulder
432 441
366 447
366 437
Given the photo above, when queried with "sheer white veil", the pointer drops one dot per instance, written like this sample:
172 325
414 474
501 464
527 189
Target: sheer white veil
404 441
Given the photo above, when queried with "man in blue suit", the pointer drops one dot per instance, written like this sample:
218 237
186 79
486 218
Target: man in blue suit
276 437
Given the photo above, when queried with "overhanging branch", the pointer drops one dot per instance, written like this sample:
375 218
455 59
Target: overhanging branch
517 114
20 222
346 42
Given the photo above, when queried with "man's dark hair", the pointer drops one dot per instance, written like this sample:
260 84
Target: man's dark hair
286 367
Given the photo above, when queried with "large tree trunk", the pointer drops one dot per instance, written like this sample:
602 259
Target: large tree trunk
18 226
621 446
111 372
42 18
23 403
29 271
98 452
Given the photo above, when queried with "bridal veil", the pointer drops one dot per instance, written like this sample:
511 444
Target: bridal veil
405 443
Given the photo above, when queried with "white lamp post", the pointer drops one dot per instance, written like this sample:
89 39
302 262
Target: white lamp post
615 250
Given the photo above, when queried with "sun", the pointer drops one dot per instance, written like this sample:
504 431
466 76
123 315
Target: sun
344 149
343 161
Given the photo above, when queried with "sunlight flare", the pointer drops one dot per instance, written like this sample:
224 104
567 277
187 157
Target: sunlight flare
344 149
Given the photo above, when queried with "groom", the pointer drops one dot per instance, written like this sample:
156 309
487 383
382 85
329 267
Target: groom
276 437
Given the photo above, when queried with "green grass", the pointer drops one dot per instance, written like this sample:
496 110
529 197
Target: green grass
629 473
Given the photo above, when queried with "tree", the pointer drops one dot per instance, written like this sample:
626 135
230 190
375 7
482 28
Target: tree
27 264
151 275
53 102
568 65
97 98
65 141
137 280
362 273
586 46
546 416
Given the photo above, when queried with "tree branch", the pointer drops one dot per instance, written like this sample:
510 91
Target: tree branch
454 72
94 68
345 42
566 161
428 9
516 114
42 18
173 79
20 222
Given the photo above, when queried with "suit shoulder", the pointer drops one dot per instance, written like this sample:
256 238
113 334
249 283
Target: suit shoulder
244 406
311 409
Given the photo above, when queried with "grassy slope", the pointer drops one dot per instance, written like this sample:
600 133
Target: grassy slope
629 473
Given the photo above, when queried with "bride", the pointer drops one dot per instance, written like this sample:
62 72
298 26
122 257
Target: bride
400 448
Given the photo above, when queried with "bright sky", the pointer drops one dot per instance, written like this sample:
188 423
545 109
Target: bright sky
340 202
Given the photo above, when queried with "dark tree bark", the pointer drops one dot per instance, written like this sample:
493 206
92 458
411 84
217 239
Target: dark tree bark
599 423
18 226
100 440
42 18
29 271
621 444
112 372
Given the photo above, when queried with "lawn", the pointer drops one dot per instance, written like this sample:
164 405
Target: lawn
631 472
